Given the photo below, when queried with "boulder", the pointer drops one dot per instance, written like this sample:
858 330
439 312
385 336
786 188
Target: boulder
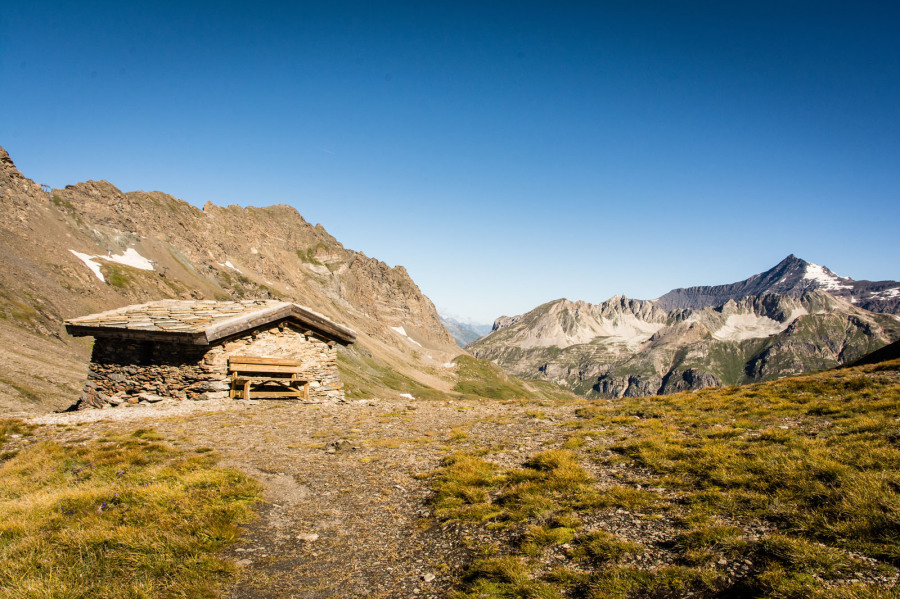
150 398
214 386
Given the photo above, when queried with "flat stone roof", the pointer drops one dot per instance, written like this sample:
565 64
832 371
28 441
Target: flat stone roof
201 322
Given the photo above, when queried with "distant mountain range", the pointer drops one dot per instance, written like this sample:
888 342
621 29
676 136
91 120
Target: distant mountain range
464 333
90 247
792 277
795 317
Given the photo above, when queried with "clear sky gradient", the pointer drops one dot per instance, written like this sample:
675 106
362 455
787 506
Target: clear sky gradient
506 153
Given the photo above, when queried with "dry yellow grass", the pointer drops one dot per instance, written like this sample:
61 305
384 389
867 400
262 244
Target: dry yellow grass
125 516
800 478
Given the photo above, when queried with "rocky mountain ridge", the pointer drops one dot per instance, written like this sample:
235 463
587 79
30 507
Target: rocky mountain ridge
626 347
91 247
792 276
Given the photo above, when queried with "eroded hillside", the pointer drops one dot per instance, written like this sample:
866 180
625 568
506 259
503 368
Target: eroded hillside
91 247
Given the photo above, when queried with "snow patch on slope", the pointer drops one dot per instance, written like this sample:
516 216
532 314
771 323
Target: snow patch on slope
228 264
89 260
625 330
738 327
825 278
887 293
129 257
401 331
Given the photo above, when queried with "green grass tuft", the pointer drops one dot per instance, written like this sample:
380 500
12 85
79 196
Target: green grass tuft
601 547
551 484
485 379
504 578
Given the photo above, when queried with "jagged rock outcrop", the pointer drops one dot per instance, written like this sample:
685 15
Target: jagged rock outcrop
642 385
683 380
504 321
563 323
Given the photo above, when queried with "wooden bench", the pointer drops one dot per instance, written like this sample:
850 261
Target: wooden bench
266 372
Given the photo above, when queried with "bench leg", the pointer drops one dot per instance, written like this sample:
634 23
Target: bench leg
247 390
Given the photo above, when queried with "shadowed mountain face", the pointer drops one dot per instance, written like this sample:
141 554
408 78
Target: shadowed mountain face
792 277
626 347
91 247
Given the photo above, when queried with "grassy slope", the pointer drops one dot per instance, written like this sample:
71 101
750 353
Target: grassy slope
123 516
797 479
365 378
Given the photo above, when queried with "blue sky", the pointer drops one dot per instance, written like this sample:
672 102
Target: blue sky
506 153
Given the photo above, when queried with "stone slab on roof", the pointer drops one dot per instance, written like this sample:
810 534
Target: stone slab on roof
201 322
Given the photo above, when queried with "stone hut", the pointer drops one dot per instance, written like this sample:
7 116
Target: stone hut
181 349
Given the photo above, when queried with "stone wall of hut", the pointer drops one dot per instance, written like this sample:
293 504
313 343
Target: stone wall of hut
124 370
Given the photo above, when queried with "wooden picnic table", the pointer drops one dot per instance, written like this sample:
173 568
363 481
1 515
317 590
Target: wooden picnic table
248 372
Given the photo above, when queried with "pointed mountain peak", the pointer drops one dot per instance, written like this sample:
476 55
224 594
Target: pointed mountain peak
792 259
790 264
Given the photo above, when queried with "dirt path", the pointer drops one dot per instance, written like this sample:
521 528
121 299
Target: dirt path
346 512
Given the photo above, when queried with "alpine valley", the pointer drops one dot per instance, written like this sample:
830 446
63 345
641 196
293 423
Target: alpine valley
796 317
91 247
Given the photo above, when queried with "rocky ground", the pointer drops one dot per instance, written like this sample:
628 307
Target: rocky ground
347 511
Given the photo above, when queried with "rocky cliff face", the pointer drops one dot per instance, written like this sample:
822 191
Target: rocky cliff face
793 277
92 247
626 347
